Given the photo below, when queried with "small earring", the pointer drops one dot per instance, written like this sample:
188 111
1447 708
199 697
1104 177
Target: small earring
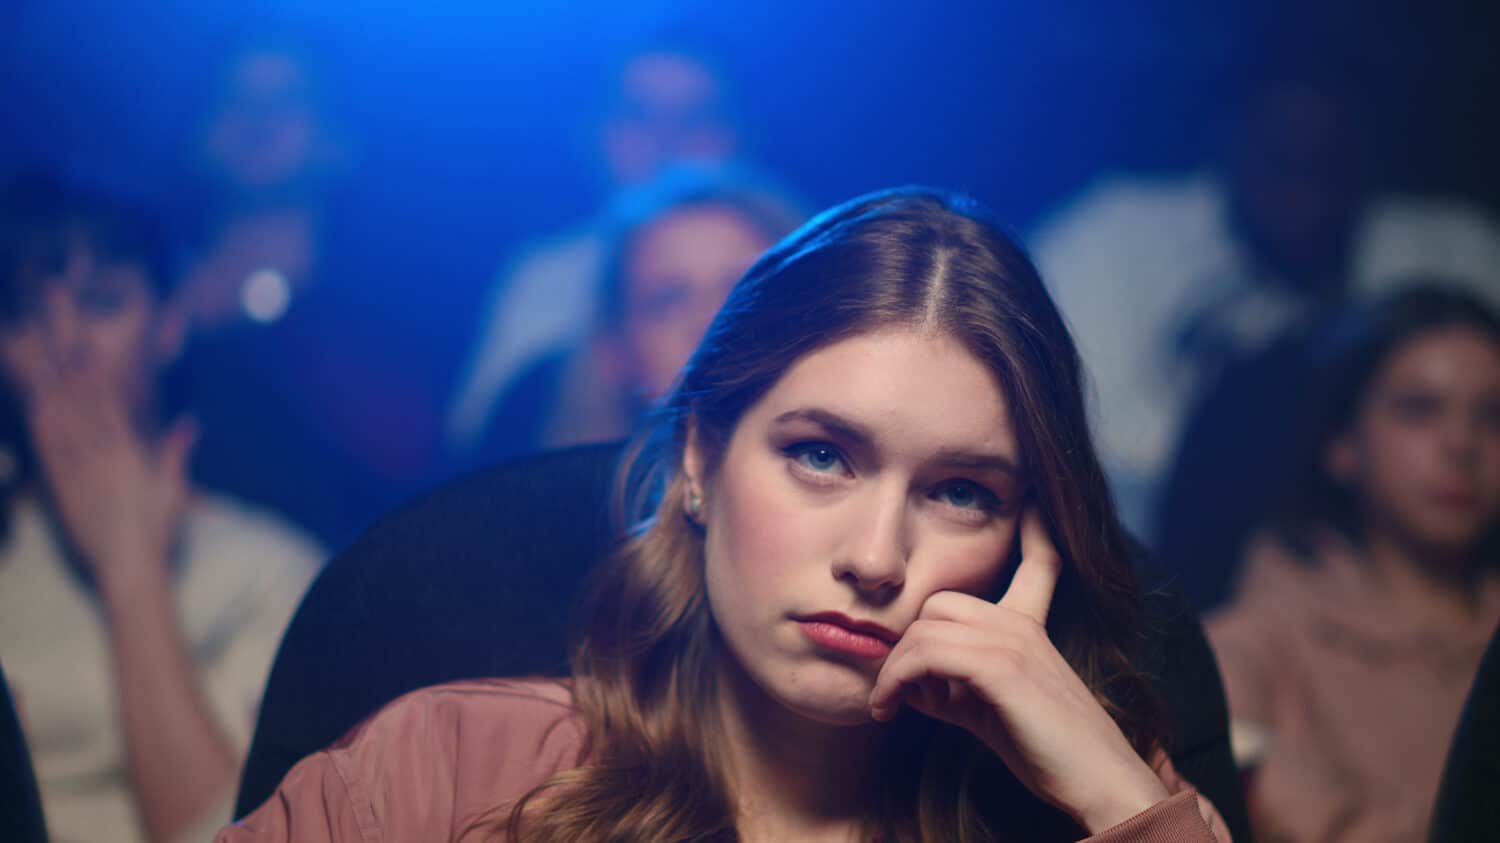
694 505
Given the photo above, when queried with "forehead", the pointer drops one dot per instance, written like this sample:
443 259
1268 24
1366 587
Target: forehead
1454 357
917 392
667 80
707 234
263 73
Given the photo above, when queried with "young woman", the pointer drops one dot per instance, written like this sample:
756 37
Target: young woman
874 590
675 248
1363 613
138 615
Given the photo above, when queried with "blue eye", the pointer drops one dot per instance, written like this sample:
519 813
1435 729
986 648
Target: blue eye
817 457
965 495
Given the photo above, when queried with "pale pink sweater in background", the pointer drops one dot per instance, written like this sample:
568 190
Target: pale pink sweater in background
1357 703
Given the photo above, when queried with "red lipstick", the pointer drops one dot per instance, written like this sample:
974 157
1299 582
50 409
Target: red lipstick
842 634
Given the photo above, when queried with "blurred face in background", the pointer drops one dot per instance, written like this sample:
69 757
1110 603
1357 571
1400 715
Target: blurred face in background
1424 453
93 317
1298 170
265 132
678 270
670 109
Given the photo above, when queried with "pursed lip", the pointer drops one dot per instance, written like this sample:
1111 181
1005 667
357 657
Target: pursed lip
870 628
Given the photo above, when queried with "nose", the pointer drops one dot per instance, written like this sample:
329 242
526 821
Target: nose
876 548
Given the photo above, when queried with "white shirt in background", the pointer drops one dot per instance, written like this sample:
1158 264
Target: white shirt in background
242 574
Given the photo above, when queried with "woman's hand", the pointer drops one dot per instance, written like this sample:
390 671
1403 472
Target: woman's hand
991 669
120 498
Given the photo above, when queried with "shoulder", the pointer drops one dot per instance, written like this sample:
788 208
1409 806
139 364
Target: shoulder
1413 237
509 733
1126 231
426 766
1122 203
238 560
479 743
578 250
219 525
511 712
1431 215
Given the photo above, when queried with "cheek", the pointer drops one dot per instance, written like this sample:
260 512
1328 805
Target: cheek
1393 456
754 526
974 565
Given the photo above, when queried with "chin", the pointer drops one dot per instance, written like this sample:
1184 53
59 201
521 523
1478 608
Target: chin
852 713
836 699
1451 532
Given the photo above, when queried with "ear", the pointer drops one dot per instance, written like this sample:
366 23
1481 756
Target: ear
1342 461
694 462
171 331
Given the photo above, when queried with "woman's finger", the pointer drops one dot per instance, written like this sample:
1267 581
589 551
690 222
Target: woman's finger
1031 589
956 606
930 650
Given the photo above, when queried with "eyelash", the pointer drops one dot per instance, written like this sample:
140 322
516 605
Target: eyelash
986 501
796 452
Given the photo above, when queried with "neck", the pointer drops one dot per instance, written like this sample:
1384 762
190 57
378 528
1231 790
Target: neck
1429 585
792 777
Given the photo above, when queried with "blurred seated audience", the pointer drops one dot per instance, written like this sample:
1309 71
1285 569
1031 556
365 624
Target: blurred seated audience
138 613
669 104
307 404
675 248
1365 607
1168 280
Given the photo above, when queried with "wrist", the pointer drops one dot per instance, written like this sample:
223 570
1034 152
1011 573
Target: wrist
1122 798
135 579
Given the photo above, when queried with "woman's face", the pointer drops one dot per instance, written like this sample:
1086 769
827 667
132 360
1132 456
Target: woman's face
1424 455
101 316
877 472
678 271
265 132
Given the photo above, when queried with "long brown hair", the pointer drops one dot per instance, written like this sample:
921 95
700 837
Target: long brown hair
644 666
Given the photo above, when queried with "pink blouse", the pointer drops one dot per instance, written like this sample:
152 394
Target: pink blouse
431 764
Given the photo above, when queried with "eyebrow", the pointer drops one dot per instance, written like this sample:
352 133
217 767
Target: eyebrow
848 429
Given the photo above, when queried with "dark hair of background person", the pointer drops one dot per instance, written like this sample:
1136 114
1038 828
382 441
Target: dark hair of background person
43 221
644 666
1252 454
1344 362
753 197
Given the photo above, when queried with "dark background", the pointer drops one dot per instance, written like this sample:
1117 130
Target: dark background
471 120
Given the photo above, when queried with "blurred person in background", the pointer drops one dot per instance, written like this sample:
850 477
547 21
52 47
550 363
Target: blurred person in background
1365 607
675 248
268 158
1167 281
307 405
138 613
669 104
